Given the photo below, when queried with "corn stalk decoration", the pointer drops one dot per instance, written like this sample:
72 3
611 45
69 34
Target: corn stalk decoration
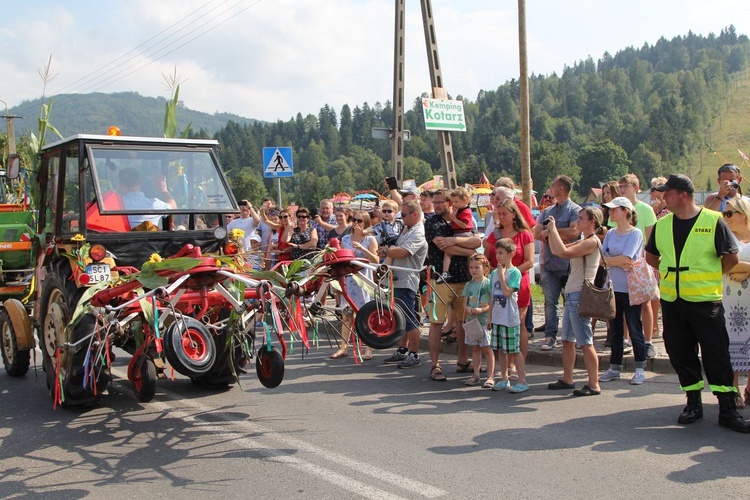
172 83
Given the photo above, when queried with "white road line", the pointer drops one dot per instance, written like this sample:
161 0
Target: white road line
345 482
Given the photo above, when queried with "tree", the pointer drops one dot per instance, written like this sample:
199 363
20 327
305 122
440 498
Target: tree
601 162
247 185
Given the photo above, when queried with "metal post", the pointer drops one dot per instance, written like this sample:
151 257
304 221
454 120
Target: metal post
278 190
525 120
10 128
397 136
436 79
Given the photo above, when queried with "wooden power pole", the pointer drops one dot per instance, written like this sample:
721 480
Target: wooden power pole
525 120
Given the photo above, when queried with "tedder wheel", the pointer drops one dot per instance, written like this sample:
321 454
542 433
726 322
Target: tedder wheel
378 326
144 381
16 362
59 299
270 367
189 347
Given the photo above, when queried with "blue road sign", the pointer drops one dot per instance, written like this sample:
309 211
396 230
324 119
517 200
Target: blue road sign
277 162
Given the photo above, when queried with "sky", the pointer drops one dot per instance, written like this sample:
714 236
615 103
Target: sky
270 59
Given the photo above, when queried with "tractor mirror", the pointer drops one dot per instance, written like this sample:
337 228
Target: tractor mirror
14 166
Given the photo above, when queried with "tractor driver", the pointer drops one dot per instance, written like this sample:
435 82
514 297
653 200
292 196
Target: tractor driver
133 198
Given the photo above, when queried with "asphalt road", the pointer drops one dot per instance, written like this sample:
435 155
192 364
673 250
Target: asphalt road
334 429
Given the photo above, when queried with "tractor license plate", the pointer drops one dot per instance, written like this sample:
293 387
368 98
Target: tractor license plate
98 273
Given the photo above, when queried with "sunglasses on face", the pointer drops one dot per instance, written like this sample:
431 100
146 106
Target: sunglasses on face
284 217
387 211
729 213
729 168
358 221
303 216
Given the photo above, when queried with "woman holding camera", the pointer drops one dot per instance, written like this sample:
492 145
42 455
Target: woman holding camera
576 329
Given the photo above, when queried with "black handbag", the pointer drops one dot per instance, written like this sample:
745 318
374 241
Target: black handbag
598 296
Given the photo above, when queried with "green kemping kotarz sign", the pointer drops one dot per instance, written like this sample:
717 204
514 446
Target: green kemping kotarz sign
440 114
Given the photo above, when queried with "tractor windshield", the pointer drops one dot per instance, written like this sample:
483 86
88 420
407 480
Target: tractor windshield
149 180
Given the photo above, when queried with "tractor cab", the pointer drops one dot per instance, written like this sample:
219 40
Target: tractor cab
136 196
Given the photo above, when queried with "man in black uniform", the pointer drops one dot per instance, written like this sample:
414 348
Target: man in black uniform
692 247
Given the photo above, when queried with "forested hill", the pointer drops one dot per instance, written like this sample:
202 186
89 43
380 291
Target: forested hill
647 110
133 113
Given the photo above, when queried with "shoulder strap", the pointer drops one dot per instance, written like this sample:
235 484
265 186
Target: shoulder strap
601 255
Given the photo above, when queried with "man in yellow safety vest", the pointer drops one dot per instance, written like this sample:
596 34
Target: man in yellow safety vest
692 247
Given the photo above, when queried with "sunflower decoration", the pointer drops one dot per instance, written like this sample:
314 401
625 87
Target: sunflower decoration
155 257
78 238
237 235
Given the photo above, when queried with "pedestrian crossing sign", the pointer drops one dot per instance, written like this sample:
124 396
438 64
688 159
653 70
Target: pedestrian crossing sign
277 162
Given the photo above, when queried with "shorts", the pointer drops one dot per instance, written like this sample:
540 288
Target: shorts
575 328
506 339
443 296
406 301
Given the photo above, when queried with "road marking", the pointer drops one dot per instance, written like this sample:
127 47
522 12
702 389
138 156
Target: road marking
341 480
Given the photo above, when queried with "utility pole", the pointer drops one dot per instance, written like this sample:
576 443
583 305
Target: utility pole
397 134
525 120
10 129
438 92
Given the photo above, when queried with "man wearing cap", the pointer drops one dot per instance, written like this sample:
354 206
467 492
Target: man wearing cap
401 196
555 270
729 181
692 247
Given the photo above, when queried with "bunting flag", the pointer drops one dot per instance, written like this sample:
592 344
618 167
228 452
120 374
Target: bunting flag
743 155
716 153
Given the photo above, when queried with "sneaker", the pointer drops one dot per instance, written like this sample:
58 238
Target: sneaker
411 361
609 375
501 386
539 328
627 347
519 388
548 344
395 358
650 351
445 276
638 378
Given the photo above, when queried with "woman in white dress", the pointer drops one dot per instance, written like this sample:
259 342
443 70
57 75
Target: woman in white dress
365 247
737 295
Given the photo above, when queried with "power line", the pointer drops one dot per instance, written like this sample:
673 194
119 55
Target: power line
146 62
135 50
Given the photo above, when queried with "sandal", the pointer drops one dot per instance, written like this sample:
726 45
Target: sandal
467 368
445 333
586 391
738 401
472 381
450 339
436 374
489 383
368 355
341 353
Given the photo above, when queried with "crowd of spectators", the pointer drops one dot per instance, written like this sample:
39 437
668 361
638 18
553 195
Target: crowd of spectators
413 231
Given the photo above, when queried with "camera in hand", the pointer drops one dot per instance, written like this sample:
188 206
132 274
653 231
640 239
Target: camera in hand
734 185
545 221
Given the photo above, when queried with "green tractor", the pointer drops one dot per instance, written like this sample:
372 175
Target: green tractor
18 247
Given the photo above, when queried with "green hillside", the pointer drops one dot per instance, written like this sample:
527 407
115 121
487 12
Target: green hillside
133 113
730 131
